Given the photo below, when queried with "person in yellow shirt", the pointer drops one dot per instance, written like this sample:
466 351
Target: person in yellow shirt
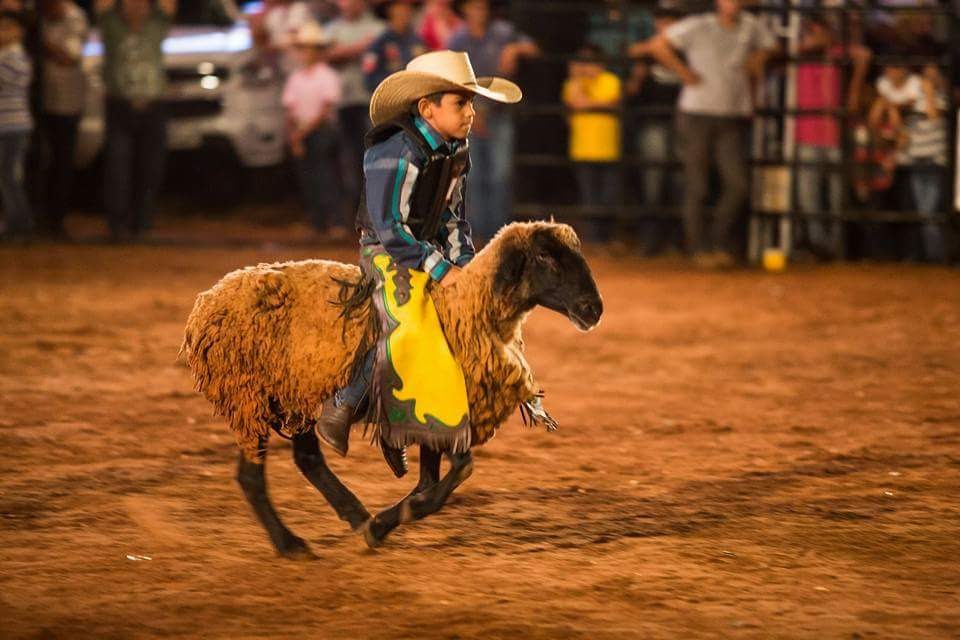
593 94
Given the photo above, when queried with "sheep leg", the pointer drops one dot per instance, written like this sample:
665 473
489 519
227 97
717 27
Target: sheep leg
252 478
420 503
309 459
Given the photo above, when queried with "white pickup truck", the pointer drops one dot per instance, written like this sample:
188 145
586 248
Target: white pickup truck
223 97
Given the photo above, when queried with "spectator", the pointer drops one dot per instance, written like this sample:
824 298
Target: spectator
590 92
613 29
310 97
135 81
281 20
495 48
395 47
63 30
818 139
438 24
655 86
897 91
353 33
926 151
15 125
722 50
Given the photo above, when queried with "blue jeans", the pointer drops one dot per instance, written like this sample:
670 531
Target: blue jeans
318 172
136 149
489 187
926 184
13 146
660 185
823 233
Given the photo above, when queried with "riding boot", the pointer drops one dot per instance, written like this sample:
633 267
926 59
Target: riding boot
333 427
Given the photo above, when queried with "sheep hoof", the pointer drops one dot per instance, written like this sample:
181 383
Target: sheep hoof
296 549
369 534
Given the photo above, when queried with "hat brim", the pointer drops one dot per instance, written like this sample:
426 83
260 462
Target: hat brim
393 96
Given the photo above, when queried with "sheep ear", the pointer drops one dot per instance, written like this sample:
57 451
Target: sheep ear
513 260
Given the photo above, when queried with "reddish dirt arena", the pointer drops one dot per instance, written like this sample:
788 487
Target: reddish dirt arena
741 455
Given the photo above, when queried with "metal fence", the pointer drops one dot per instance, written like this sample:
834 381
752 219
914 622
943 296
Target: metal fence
543 169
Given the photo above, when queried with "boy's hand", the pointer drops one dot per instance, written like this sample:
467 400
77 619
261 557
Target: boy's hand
452 276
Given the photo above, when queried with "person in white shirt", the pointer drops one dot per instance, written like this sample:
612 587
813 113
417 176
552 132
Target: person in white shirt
63 28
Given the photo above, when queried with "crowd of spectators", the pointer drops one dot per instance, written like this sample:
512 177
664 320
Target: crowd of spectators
699 76
650 83
330 56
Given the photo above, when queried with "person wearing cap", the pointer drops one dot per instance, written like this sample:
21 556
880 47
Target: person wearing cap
396 46
414 235
311 96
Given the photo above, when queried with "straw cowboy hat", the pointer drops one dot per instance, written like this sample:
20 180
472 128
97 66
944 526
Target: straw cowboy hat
434 72
311 34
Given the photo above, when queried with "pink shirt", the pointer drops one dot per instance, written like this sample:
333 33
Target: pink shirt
436 33
309 91
818 87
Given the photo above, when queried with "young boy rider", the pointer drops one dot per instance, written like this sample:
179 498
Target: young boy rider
414 235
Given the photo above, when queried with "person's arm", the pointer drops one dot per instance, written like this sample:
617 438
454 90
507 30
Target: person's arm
661 49
860 56
458 239
932 100
765 48
640 49
69 51
390 171
639 73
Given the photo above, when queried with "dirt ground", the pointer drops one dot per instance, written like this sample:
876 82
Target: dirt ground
741 455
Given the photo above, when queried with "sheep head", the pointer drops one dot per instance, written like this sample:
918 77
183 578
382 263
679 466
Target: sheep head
541 264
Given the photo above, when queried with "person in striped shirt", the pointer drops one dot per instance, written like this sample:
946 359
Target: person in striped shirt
15 125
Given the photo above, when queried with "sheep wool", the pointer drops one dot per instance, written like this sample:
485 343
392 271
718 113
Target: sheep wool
268 344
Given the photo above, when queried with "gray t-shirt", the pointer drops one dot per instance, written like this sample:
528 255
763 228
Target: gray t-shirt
719 56
347 32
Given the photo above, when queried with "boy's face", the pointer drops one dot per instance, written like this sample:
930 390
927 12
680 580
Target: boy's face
453 117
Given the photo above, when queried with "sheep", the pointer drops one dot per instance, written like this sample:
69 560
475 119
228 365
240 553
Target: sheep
268 344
